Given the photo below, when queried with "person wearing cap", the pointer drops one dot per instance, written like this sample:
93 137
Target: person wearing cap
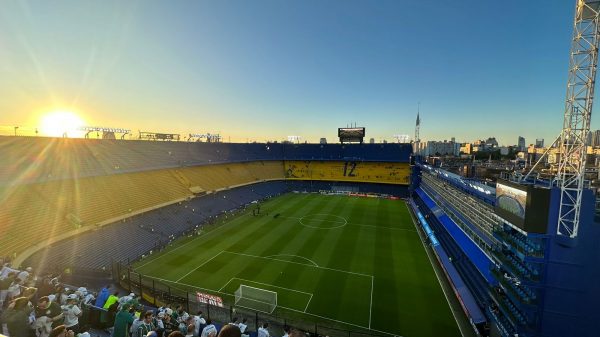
169 323
159 323
72 313
122 322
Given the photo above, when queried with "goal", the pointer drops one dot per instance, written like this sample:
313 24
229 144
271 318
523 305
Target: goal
256 298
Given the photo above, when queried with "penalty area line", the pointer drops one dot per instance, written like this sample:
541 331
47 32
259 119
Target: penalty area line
282 307
193 270
310 299
297 263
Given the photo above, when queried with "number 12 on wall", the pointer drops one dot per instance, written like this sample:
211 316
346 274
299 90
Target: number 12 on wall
349 167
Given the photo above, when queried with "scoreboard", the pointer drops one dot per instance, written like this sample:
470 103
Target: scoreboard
350 135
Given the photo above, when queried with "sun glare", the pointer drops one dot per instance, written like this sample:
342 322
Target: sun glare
60 123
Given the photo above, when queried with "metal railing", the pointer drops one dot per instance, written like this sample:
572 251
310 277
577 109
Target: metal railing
161 292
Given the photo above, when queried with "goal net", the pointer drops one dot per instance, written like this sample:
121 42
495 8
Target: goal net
256 298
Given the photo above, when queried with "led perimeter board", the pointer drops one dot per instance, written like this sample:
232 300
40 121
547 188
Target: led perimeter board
349 135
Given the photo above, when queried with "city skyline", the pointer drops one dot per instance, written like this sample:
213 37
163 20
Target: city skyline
266 70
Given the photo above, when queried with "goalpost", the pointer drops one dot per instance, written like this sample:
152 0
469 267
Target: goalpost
256 298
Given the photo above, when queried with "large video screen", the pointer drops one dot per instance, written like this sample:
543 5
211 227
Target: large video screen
512 200
351 132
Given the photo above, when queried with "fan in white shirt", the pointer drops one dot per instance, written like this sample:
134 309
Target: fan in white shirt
262 331
198 321
71 312
243 326
209 330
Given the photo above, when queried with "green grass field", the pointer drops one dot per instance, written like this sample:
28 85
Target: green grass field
356 261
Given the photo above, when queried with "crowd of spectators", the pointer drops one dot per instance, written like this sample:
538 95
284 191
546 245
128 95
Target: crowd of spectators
41 306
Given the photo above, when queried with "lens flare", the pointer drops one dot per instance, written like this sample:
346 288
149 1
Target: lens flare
60 123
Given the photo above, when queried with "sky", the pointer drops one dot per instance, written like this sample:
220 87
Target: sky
263 70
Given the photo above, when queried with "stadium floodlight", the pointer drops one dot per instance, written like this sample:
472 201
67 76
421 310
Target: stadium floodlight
402 138
294 139
256 298
104 130
213 137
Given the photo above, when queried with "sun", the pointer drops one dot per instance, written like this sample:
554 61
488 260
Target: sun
60 123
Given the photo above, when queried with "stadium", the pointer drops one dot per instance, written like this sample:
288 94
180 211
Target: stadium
168 235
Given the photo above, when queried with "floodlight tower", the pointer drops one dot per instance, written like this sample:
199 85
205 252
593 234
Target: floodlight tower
578 112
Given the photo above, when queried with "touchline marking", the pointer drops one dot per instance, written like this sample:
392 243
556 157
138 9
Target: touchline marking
437 276
205 262
302 257
371 305
302 264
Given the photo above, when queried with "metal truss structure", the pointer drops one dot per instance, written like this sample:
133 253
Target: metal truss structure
578 112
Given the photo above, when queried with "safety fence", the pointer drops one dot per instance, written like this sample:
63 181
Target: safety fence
220 307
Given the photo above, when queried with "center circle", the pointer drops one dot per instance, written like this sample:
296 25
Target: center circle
323 221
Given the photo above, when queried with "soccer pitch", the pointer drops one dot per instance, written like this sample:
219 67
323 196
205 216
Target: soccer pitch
356 261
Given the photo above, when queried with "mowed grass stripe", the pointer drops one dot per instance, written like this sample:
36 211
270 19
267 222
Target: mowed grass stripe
385 293
312 244
330 299
351 300
261 229
182 261
407 299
